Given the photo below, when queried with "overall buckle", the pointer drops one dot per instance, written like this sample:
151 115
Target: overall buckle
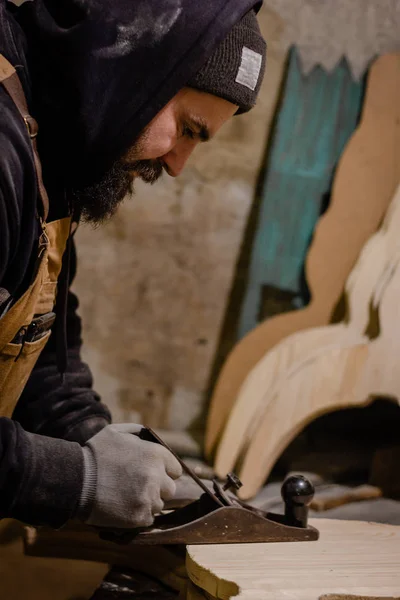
32 126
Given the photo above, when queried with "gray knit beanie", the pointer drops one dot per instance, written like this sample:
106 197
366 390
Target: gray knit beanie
236 69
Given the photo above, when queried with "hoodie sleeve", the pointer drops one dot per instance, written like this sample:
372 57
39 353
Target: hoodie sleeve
40 478
67 407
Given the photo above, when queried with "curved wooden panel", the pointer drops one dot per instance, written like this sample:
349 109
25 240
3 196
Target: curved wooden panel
350 374
368 277
365 181
351 558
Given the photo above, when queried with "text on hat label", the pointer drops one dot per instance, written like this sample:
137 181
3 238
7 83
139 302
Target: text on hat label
250 67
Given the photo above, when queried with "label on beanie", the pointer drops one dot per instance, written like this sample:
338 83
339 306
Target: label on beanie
250 68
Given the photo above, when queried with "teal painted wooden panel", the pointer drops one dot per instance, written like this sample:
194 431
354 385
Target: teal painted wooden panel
317 115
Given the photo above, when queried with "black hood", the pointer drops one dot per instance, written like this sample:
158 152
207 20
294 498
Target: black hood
102 69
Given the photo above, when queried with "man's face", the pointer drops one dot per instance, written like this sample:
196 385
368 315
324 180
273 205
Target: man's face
191 117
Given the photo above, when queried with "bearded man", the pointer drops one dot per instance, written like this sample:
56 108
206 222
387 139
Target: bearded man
93 94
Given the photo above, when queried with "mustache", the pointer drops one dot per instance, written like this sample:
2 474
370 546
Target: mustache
98 202
148 170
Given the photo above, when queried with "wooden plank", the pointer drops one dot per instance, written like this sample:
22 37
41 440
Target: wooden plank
364 184
352 597
36 578
339 495
350 559
166 564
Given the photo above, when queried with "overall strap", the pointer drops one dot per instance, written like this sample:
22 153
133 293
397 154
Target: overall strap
10 80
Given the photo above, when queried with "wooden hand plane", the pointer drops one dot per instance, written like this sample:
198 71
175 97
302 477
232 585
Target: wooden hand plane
218 517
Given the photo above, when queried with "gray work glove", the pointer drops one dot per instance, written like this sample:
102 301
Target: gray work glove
126 479
187 491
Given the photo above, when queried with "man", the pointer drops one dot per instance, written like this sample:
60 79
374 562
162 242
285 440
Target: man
93 94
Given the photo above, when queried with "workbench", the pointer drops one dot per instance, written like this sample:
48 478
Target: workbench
125 584
122 583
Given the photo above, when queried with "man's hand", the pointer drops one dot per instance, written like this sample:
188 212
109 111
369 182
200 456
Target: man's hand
187 491
127 480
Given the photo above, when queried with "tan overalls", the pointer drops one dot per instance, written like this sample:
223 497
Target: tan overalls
24 329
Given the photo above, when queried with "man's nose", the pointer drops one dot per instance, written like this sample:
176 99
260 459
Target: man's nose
175 160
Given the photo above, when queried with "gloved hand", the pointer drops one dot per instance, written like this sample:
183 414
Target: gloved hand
126 479
187 491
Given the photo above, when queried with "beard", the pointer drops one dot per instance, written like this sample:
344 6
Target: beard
98 202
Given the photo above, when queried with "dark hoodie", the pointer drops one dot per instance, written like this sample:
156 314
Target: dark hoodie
95 72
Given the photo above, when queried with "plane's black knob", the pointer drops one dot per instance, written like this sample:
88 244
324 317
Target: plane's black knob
297 493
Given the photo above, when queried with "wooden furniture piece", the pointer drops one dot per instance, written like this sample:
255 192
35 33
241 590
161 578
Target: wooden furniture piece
358 364
366 279
351 559
364 184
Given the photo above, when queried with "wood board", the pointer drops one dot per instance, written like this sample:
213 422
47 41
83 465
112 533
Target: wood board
351 558
364 184
266 377
350 373
80 542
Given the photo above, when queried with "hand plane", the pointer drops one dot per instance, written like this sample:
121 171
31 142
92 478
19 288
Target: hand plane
218 517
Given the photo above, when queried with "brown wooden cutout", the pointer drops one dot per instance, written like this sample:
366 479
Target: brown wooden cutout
366 179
